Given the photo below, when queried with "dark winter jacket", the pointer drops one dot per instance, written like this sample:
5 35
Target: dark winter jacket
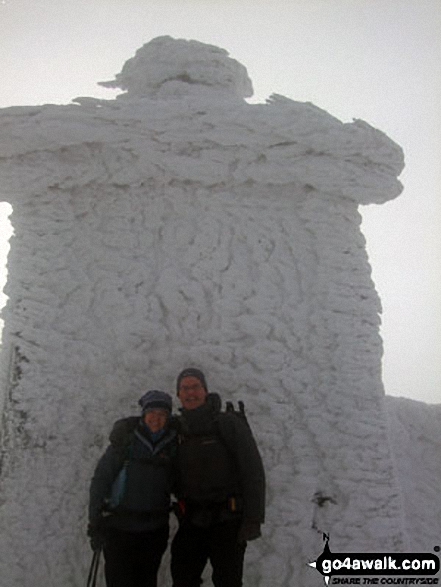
218 460
150 475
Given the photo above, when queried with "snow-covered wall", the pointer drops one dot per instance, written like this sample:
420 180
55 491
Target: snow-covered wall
180 225
415 438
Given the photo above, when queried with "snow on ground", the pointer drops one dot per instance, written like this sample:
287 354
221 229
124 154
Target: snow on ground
179 225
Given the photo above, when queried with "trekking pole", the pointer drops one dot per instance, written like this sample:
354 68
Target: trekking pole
93 572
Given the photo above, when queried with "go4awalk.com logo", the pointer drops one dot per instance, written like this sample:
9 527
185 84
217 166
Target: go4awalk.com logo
366 569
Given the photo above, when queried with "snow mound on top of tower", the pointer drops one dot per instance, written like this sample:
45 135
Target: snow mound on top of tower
167 66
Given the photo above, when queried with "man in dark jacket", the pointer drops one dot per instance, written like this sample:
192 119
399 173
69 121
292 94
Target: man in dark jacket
130 496
221 488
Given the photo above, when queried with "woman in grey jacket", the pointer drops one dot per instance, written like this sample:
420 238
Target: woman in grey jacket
130 497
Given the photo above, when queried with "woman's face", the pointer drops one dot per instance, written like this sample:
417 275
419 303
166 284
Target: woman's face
156 419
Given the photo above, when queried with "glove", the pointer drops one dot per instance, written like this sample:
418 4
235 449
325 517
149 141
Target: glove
95 532
248 531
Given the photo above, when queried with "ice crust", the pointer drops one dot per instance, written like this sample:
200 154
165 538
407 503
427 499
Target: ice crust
179 225
415 433
175 66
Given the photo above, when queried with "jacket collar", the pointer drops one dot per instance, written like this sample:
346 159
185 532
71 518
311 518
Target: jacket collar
201 420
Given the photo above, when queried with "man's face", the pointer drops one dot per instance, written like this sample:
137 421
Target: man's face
191 393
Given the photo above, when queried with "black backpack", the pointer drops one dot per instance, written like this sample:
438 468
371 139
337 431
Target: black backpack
240 413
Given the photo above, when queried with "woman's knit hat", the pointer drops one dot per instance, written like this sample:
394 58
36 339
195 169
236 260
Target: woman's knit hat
155 399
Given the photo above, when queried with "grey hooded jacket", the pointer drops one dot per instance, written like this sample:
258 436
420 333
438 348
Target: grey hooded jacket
149 478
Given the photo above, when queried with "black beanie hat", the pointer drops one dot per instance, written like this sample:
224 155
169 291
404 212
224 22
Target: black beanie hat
155 399
191 372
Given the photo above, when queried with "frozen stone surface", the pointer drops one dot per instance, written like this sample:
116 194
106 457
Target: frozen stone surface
177 225
173 66
415 432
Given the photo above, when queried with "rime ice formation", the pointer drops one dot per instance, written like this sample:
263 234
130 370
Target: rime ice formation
164 67
415 434
177 225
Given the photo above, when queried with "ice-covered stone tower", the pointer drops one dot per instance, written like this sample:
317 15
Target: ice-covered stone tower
179 225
